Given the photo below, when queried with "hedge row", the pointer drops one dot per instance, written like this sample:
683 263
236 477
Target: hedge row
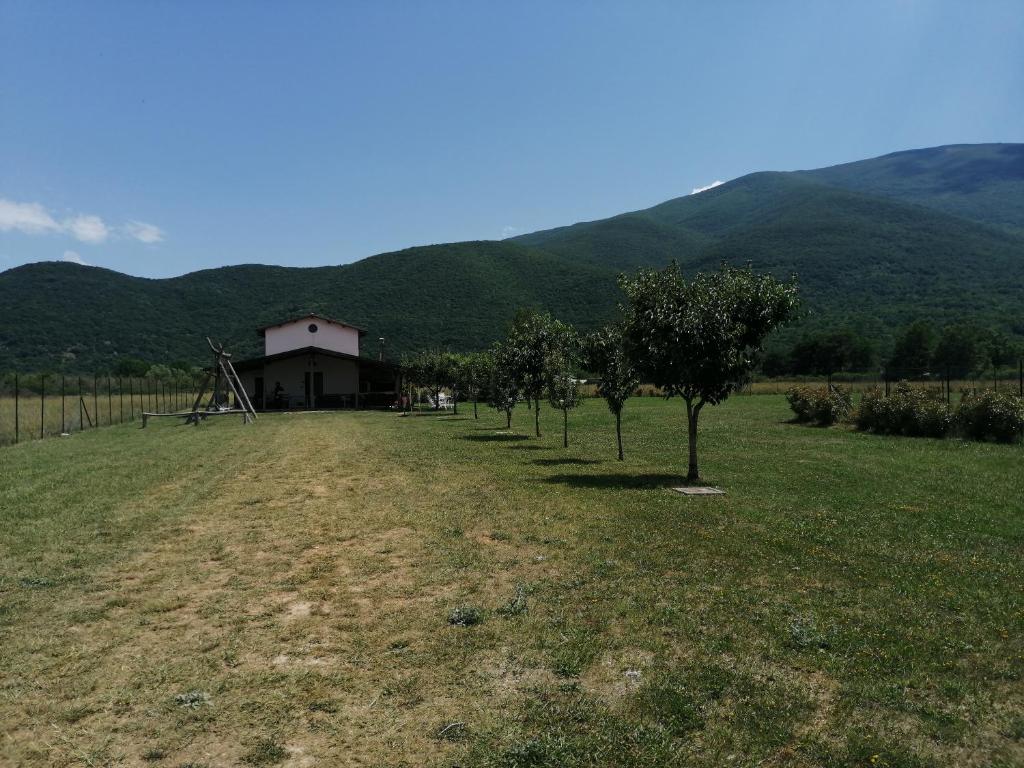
819 405
914 412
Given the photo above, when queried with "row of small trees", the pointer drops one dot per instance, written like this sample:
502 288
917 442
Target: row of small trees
696 339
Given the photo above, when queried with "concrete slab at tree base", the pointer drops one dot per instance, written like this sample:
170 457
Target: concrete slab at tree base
698 490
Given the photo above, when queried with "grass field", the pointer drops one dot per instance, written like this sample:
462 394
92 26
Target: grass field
281 594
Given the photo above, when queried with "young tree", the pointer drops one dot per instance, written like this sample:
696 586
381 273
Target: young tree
607 358
503 387
425 369
532 340
697 339
452 373
563 389
477 370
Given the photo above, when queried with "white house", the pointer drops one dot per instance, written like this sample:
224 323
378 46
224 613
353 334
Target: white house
313 362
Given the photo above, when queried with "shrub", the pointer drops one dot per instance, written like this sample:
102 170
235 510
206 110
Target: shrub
465 616
819 405
907 411
991 416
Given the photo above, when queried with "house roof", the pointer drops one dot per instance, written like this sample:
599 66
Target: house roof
256 362
311 315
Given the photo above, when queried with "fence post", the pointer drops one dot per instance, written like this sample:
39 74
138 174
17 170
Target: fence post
81 407
96 399
1020 376
131 398
16 420
110 409
42 406
120 399
62 422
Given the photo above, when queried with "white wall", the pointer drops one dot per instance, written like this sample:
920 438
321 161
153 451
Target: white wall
296 335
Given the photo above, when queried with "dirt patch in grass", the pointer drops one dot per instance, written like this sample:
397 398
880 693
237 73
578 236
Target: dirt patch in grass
617 674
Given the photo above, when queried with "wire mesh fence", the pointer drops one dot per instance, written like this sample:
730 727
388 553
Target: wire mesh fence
37 406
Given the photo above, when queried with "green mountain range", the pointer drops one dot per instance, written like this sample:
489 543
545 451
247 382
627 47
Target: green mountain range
935 234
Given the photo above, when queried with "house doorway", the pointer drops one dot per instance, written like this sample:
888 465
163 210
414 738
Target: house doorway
314 386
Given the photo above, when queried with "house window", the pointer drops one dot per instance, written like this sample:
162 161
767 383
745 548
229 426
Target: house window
312 328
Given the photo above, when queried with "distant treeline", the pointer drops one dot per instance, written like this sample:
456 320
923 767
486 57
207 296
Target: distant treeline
957 350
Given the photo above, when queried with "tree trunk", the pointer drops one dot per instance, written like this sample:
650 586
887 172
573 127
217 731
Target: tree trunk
565 427
508 419
475 416
455 403
618 433
536 416
692 412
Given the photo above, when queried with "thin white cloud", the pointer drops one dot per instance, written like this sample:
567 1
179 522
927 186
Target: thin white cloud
712 185
508 231
34 219
30 218
143 232
74 258
88 229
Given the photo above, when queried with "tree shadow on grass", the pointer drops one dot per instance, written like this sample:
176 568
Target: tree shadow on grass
562 461
494 438
618 480
531 448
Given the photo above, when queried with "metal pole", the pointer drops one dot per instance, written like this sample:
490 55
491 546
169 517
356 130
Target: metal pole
131 398
96 399
62 424
16 424
120 395
42 406
81 404
110 409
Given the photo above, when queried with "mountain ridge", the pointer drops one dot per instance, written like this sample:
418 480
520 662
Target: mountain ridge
915 246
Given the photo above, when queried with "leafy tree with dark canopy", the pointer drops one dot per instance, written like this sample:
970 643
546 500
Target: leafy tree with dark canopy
830 352
912 353
698 338
962 350
607 358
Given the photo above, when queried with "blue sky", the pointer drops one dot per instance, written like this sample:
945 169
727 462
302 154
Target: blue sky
158 138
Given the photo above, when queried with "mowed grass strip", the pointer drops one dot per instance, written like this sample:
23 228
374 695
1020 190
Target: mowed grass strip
295 592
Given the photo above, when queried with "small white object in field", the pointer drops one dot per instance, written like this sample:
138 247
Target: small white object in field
65 434
699 490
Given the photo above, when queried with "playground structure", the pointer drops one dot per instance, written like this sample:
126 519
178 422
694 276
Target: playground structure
225 381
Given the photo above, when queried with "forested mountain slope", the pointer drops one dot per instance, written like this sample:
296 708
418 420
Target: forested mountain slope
934 234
